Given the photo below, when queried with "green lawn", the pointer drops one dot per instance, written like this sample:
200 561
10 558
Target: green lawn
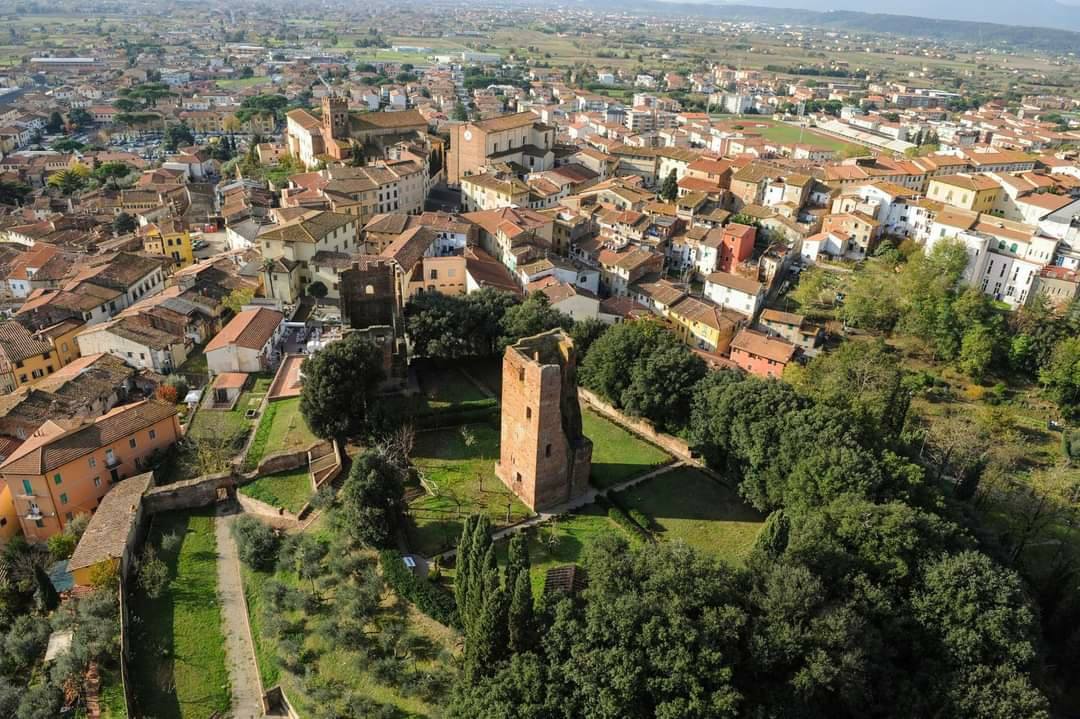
224 432
464 483
195 363
290 490
111 692
179 667
265 650
685 504
618 454
281 428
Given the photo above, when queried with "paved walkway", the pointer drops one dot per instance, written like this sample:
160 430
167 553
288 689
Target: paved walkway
243 674
576 503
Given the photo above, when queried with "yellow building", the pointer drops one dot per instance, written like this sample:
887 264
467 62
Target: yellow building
704 325
171 239
9 517
977 193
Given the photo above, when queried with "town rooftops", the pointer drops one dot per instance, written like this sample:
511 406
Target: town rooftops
507 122
312 226
52 446
17 343
964 181
760 345
783 318
250 329
735 282
107 532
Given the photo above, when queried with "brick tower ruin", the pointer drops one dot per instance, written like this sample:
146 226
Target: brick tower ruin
544 457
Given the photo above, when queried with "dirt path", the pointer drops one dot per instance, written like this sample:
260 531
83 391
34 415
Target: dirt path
243 674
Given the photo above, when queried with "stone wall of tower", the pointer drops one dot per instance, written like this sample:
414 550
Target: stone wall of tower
544 458
335 117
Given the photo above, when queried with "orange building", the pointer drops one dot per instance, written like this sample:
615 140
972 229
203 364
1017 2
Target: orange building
60 472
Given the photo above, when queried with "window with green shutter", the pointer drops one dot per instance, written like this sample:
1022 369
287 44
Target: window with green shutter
56 479
63 499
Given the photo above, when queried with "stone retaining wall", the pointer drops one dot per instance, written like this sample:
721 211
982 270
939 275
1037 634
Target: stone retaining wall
191 493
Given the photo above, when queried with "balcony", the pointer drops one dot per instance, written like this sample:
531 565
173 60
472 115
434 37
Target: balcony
34 514
112 461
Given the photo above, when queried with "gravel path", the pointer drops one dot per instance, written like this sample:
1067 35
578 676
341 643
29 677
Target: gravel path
243 674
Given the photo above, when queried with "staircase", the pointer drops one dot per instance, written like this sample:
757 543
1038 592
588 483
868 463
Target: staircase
324 463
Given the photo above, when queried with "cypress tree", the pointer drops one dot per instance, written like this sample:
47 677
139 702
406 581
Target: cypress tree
517 560
521 621
464 567
481 542
487 645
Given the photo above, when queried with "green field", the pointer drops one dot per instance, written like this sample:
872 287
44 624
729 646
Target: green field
290 490
447 386
618 455
464 483
685 504
781 132
179 667
242 82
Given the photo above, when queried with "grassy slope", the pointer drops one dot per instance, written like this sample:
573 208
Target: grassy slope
179 669
618 455
290 490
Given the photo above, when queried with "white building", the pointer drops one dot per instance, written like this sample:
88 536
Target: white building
735 292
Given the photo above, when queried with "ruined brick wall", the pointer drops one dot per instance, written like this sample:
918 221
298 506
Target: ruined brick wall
368 295
544 457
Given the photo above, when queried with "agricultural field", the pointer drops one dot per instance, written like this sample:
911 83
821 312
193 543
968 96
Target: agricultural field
293 635
687 505
179 666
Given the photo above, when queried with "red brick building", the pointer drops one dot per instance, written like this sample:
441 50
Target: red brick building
544 456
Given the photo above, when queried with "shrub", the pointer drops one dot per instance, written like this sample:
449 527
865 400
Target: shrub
153 573
178 383
621 518
62 546
429 598
167 393
256 543
641 518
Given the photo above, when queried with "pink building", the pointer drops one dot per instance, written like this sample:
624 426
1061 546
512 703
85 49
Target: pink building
761 355
736 246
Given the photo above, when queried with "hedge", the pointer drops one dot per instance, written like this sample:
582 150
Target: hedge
429 598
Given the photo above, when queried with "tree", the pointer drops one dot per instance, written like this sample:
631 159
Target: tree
317 290
47 597
339 383
257 543
124 223
153 573
62 545
109 173
866 380
69 181
13 192
239 297
604 370
373 500
55 123
460 113
177 136
584 333
977 351
1061 377
531 317
80 117
662 383
520 619
669 190
814 290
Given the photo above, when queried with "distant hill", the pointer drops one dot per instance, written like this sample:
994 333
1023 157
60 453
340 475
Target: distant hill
930 25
